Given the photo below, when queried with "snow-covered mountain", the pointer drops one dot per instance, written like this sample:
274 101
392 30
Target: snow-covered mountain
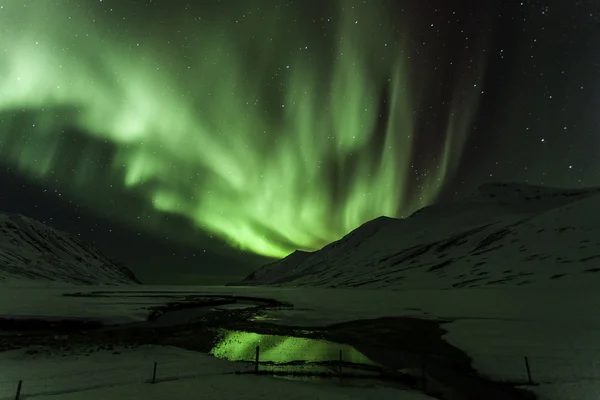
31 251
504 234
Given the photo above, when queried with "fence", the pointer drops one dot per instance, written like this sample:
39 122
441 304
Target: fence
148 373
518 369
570 367
155 372
343 365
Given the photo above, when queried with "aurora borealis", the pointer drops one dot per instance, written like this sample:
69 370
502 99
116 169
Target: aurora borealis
274 126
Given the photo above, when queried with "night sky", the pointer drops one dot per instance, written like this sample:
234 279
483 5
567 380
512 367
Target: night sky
197 140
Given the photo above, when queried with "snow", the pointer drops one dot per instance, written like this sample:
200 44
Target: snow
557 328
515 274
239 387
48 301
180 375
31 252
505 235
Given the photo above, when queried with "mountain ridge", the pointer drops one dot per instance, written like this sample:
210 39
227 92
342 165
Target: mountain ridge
503 234
31 251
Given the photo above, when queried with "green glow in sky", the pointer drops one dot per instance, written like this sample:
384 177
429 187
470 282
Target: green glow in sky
249 132
241 346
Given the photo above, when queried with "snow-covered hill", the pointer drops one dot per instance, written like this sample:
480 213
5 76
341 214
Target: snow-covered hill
33 252
504 234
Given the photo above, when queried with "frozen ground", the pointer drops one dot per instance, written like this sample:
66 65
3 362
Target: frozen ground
513 267
557 328
180 375
505 235
34 252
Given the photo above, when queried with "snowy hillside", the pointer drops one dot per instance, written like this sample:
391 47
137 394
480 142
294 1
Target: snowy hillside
504 234
32 251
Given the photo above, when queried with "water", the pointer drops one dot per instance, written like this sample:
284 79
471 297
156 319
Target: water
276 349
188 315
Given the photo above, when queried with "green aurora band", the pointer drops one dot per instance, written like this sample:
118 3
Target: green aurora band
240 132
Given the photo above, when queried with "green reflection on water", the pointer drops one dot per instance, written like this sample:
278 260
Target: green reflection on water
241 346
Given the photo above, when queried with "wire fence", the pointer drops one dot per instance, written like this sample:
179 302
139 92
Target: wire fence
572 367
153 372
518 369
273 361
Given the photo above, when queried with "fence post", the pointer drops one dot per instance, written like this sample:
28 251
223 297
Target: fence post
19 386
424 374
528 370
154 372
256 359
341 364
